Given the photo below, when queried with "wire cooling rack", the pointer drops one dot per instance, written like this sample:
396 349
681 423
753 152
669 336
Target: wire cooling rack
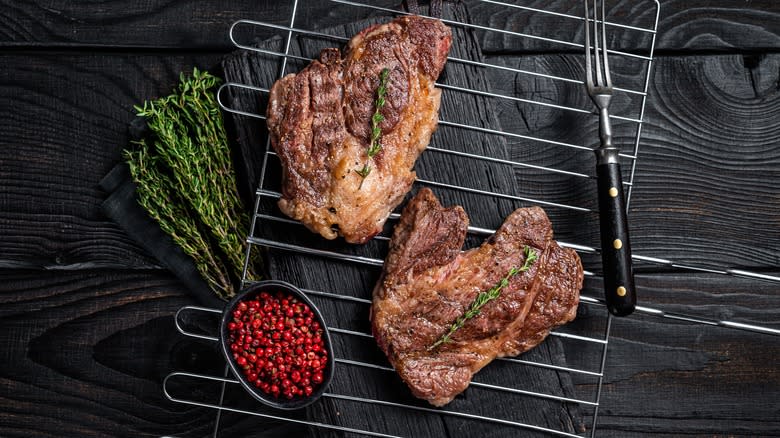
586 337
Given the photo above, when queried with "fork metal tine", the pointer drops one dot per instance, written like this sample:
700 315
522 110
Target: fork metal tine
601 68
607 78
599 79
588 66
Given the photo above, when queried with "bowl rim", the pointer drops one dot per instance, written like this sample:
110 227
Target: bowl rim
227 316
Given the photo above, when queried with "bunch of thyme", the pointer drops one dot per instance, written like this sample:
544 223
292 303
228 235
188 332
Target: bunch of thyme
186 179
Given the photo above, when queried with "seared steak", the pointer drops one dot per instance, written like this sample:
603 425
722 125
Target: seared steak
427 283
320 125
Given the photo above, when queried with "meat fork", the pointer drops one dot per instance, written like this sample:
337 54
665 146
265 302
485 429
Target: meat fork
615 247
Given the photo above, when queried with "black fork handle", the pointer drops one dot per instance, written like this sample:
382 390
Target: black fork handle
619 289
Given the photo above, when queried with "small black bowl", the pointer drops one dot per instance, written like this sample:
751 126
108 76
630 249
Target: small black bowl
273 286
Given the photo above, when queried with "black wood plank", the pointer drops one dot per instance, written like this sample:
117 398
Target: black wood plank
724 136
684 25
157 24
85 352
667 378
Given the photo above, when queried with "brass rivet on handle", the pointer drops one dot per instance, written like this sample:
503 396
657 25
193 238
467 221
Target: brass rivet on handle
613 192
621 291
617 243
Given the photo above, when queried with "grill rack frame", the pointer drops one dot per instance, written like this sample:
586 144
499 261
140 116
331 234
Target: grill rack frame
253 241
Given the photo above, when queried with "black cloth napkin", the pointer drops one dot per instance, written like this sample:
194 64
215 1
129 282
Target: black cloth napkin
122 207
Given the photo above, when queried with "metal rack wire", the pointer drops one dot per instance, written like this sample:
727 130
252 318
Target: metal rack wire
593 336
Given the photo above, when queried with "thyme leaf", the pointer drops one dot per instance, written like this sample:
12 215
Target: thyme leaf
375 145
487 296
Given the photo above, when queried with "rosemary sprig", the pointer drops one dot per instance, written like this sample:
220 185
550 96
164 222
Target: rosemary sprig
189 164
375 145
486 297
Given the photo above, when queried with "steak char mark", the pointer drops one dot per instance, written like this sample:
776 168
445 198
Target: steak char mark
427 283
320 126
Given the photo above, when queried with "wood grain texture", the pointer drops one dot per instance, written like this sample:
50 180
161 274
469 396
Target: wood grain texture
156 24
705 381
710 143
85 350
722 130
684 25
82 354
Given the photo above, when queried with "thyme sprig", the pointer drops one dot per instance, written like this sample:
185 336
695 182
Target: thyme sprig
158 197
375 145
487 296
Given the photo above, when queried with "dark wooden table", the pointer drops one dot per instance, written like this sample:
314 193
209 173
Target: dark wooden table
86 322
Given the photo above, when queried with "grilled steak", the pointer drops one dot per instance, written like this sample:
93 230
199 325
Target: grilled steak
320 125
427 283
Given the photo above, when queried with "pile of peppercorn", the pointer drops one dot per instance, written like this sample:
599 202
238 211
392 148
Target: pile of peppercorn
278 344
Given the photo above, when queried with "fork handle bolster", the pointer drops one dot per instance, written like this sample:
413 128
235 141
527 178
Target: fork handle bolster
619 289
605 127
